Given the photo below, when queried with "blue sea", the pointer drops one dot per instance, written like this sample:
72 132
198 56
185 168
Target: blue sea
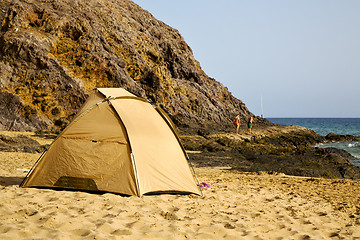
324 126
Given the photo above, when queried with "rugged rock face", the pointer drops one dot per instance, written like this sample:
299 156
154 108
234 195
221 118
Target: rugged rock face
54 52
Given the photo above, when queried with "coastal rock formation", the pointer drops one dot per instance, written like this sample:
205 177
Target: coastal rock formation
53 53
274 149
332 137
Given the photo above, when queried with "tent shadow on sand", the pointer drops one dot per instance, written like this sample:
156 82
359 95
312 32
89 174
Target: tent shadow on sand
9 181
107 192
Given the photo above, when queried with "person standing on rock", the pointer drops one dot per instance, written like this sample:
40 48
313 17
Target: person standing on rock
237 124
250 124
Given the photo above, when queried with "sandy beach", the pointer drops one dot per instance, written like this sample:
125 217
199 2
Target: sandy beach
236 206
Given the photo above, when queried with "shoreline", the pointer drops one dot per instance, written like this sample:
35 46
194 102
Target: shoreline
260 151
344 146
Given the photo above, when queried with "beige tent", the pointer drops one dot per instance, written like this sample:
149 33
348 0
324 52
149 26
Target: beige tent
118 143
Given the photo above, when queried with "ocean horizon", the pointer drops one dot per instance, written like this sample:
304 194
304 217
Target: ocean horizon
323 126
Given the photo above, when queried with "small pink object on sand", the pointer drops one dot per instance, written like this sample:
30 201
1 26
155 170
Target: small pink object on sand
203 184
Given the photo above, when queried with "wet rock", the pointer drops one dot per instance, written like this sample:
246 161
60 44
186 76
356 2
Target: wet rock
281 149
332 137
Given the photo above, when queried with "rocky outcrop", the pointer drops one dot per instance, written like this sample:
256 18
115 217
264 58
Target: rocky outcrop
11 108
53 53
332 137
20 144
276 149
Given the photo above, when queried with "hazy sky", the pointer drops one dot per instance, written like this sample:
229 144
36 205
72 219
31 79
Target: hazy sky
301 57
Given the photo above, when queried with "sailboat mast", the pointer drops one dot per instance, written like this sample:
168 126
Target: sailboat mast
262 110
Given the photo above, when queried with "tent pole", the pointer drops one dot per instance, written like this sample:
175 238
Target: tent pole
197 180
129 144
136 173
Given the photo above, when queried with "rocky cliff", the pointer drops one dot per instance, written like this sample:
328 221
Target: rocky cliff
54 52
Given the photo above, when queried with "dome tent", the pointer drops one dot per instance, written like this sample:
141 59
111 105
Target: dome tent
118 143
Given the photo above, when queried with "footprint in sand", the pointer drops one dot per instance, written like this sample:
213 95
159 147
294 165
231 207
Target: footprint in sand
322 214
106 228
120 232
305 237
5 229
81 232
229 226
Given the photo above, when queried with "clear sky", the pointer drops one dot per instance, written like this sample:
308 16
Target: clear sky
301 57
